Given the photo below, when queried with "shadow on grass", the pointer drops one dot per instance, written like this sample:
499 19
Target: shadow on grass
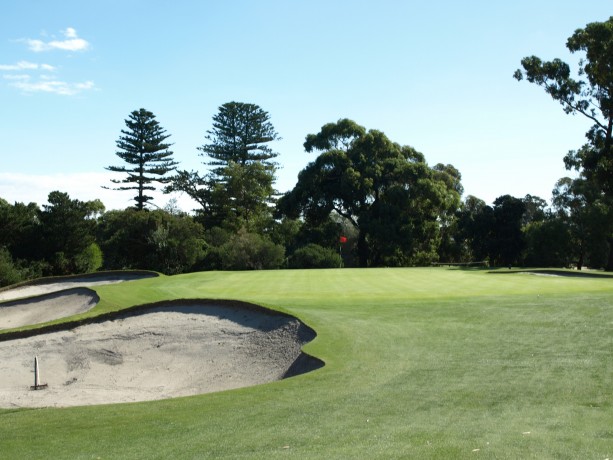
470 268
572 274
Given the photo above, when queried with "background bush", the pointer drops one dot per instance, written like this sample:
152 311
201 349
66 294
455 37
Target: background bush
314 256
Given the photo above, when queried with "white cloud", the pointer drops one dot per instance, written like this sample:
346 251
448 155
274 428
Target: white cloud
16 77
36 45
84 186
47 83
71 43
70 33
21 65
53 86
26 65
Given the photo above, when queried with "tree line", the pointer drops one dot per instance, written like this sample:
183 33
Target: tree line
364 200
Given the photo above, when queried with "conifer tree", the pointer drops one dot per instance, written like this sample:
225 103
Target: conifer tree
240 135
239 186
142 146
242 173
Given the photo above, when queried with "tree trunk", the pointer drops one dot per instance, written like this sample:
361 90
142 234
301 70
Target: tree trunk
609 266
362 249
580 261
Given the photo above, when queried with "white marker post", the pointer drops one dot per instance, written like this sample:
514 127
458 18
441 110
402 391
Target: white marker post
37 384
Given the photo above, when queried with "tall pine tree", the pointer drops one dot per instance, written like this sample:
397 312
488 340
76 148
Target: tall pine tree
237 190
242 173
240 135
142 146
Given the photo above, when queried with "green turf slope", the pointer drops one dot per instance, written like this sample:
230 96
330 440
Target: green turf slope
420 363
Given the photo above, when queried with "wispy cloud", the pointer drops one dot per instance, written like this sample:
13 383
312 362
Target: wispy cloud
52 86
16 77
71 42
33 77
25 65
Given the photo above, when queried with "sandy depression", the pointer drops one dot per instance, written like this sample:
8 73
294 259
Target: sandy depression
178 349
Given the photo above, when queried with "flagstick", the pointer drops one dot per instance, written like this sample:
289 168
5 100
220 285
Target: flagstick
342 240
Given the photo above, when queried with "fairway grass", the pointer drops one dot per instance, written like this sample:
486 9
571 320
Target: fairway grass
420 363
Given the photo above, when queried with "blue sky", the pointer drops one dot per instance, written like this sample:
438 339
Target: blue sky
434 75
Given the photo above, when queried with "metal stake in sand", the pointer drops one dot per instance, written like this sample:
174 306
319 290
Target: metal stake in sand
37 384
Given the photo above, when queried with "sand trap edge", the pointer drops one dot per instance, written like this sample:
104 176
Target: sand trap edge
124 275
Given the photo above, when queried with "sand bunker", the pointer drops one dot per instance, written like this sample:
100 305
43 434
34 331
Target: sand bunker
46 307
54 285
161 352
55 298
177 349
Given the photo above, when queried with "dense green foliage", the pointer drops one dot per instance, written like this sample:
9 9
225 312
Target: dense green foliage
58 239
152 240
242 251
67 230
19 225
315 256
386 191
142 146
9 272
420 363
69 236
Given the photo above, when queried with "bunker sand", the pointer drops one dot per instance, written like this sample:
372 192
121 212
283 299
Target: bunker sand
46 307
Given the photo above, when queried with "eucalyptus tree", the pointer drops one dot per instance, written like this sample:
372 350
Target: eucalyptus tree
507 240
144 148
589 94
473 232
578 203
386 191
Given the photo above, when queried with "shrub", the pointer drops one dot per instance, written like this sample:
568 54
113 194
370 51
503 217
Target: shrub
314 256
9 273
89 260
250 251
151 240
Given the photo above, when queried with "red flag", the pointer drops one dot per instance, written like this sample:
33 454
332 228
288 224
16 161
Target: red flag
343 239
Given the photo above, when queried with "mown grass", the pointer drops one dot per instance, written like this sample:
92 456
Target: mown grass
420 363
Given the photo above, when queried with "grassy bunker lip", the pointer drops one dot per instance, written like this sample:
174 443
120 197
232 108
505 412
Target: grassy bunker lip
154 351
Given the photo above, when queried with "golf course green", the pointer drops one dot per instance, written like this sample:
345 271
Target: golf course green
419 363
